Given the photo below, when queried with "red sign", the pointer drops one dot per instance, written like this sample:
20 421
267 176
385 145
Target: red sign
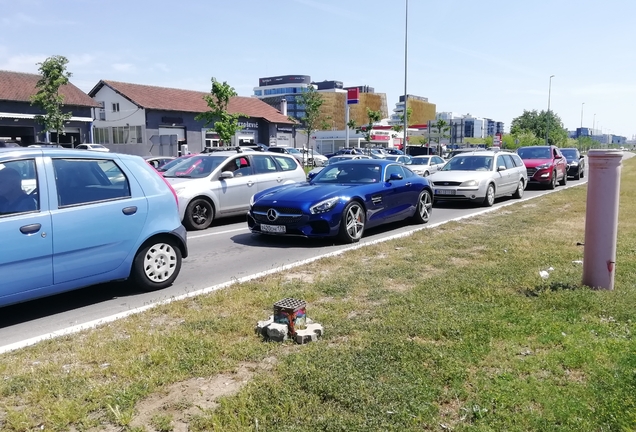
380 137
353 95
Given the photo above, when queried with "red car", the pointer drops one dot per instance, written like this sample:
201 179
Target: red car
545 164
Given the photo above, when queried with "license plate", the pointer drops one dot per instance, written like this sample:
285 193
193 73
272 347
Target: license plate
278 229
444 191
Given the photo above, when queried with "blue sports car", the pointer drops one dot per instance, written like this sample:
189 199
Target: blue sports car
342 200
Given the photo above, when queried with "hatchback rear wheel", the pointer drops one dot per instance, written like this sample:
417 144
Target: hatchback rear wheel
156 265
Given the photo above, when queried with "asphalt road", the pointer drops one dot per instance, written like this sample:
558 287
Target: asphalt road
223 253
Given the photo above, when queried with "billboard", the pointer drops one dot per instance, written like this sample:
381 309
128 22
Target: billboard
284 79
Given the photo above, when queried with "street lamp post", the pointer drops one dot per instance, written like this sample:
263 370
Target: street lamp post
582 115
406 38
547 129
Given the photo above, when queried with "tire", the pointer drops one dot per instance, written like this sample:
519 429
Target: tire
352 223
583 173
553 182
578 175
199 214
489 199
564 180
156 265
426 174
520 189
424 207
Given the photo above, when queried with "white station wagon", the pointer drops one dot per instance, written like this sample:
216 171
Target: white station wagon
480 177
221 184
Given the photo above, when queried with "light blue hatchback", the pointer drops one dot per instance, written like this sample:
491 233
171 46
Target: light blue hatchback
72 218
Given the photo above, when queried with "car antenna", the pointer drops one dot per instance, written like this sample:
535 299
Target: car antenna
238 149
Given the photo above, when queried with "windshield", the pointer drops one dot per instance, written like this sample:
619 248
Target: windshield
293 150
535 153
335 159
172 163
570 153
420 161
194 167
349 173
469 163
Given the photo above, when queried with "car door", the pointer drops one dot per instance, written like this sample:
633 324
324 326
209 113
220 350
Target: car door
513 174
235 192
26 237
402 193
561 163
436 163
266 172
97 219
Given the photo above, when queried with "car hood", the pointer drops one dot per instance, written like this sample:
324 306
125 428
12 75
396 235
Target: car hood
533 163
304 192
459 176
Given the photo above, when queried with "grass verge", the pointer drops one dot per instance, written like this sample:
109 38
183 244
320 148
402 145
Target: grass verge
448 329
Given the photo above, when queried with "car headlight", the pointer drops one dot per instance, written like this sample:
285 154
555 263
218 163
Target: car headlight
323 206
574 164
543 166
470 183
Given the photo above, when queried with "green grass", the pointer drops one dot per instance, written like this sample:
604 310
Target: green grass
449 329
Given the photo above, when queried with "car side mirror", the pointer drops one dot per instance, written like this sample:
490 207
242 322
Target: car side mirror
395 176
581 156
501 168
311 175
558 157
226 174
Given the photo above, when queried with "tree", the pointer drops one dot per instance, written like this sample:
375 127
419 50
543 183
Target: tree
442 127
223 123
400 127
48 97
312 100
365 130
538 123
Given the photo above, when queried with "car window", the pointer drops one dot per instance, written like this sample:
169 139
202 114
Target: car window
507 161
286 163
18 187
517 160
240 166
438 160
408 173
469 163
394 169
264 164
85 181
277 149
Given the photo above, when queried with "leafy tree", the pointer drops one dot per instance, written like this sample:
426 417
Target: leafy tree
400 127
538 123
442 127
312 100
48 97
365 130
223 123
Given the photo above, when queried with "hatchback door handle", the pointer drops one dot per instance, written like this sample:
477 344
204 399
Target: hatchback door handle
250 183
279 179
30 229
409 184
129 210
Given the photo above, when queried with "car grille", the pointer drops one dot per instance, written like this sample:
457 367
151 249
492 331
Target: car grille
286 210
531 171
447 183
285 215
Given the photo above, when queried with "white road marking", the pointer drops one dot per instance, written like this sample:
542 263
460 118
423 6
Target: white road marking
105 320
216 233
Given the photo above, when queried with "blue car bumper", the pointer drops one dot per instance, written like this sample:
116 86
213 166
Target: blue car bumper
292 222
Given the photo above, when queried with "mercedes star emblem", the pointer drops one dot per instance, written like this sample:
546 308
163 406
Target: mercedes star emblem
272 215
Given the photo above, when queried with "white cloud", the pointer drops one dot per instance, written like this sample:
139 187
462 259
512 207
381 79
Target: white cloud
605 89
124 67
22 63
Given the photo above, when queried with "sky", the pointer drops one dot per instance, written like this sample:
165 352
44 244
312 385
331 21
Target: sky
488 58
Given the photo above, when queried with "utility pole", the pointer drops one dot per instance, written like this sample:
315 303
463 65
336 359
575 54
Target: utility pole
547 129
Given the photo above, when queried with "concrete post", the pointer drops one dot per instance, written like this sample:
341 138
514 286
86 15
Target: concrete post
601 218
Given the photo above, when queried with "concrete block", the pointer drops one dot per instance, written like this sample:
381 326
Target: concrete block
277 332
261 326
310 334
